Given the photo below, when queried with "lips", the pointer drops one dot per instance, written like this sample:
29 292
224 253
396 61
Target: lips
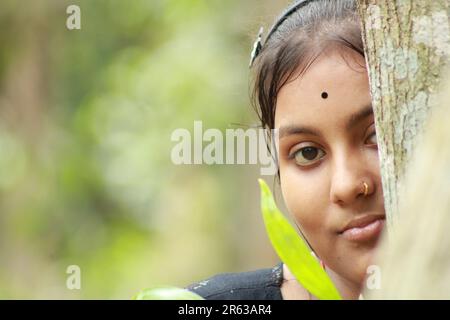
365 228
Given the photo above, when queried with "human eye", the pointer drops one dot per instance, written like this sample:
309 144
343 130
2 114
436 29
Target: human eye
307 155
372 140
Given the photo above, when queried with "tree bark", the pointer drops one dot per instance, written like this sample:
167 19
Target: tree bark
407 46
415 263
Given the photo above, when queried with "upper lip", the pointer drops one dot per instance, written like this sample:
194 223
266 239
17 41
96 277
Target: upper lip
363 221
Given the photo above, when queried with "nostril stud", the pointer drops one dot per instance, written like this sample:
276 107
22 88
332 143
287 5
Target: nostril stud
366 189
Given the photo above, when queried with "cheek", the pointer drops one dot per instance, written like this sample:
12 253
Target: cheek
305 197
372 157
374 164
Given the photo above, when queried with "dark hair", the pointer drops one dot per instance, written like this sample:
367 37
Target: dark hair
296 41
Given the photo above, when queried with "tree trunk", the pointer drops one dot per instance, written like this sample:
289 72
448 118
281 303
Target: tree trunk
406 46
415 264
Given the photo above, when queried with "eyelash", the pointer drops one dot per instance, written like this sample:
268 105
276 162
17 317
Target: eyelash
299 151
293 154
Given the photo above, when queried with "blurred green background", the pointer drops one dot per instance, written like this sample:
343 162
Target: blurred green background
85 123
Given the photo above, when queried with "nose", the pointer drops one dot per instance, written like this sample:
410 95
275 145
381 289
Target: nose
349 172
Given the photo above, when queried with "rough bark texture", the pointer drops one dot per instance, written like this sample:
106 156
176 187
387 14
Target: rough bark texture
415 264
406 45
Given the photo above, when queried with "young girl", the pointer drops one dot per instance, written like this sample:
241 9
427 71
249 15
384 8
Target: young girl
311 83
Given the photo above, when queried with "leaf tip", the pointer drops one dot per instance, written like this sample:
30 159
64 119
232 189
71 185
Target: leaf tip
261 182
263 186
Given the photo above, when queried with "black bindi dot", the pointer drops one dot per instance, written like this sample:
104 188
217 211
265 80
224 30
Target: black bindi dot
324 95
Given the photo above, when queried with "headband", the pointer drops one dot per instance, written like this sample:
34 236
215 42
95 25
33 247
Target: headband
257 46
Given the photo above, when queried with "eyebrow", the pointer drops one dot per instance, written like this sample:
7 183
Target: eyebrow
359 116
354 119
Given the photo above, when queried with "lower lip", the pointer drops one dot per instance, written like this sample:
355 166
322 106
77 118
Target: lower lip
366 233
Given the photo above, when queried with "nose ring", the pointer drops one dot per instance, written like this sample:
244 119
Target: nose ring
366 189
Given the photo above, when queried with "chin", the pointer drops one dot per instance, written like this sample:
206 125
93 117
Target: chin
364 261
353 262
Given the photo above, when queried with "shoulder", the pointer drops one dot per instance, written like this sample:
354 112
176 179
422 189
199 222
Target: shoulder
261 284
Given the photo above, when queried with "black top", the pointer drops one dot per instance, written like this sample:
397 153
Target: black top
261 284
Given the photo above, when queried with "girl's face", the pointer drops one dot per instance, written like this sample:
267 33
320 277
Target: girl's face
327 149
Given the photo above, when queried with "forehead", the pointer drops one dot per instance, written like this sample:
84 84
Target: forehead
343 79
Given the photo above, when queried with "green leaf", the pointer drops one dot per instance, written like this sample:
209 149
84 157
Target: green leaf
166 293
293 250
